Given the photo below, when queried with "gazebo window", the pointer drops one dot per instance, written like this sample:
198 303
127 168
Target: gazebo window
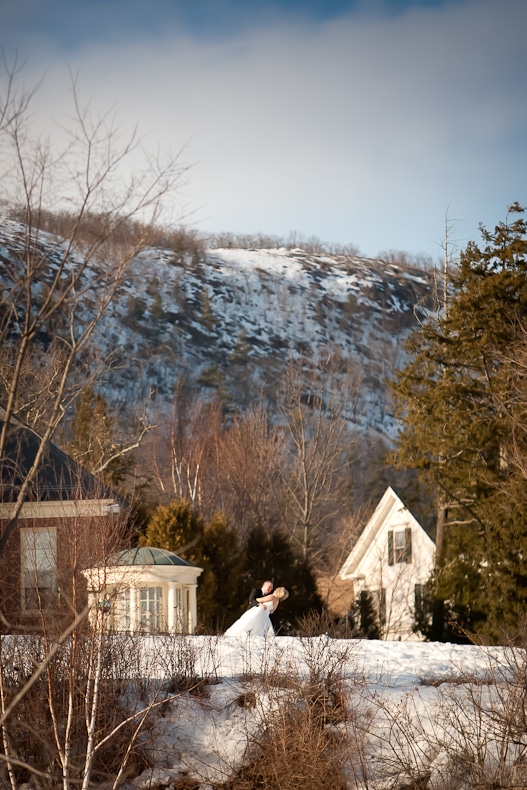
183 611
180 611
189 614
122 618
151 599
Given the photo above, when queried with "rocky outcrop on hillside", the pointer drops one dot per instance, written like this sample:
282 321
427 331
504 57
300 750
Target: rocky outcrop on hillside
233 319
230 319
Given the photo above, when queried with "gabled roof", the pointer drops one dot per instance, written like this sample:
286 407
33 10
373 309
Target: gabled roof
59 477
388 508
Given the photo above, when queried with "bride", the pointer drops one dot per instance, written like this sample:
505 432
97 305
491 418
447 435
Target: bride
256 621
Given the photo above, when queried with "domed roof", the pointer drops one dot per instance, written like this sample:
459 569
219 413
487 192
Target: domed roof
145 555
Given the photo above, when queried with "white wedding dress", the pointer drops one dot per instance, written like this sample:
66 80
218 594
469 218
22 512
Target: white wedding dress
255 622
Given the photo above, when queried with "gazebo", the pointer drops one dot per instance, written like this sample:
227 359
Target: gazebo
145 590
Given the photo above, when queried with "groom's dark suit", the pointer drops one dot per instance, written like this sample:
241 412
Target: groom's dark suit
255 593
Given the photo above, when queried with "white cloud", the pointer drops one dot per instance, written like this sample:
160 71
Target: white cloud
363 129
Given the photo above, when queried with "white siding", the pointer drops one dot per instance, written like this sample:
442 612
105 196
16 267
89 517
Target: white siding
368 565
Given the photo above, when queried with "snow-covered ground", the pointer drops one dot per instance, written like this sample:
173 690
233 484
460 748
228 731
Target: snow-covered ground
408 711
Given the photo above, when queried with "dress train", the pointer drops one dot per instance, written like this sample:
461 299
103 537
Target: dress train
255 621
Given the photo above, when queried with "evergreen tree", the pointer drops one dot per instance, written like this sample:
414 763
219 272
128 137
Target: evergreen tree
95 443
239 377
240 354
206 315
370 625
271 556
221 591
176 527
136 307
157 311
458 409
214 378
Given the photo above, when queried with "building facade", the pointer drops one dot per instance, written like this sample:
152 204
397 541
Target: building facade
389 567
145 590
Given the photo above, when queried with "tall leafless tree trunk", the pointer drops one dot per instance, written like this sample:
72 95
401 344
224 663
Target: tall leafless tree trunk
182 448
317 397
248 470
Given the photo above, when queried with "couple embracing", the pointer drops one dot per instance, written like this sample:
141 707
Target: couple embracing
256 620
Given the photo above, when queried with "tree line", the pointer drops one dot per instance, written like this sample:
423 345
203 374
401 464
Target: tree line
462 403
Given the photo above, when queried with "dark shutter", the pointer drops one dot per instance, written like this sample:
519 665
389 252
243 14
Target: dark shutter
408 544
390 548
418 597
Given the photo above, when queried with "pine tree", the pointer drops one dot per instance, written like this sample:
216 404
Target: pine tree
95 443
241 352
206 315
157 311
222 592
271 556
176 527
136 307
458 407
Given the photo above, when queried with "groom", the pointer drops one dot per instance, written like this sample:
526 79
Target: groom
266 589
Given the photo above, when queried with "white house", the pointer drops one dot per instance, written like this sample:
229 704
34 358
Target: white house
145 590
390 565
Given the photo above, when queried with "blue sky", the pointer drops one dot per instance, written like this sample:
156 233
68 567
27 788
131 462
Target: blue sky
356 121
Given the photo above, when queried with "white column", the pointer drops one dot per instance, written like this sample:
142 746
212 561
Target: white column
171 608
135 618
193 608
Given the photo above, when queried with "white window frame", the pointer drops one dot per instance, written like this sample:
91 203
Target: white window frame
399 548
122 610
38 563
150 609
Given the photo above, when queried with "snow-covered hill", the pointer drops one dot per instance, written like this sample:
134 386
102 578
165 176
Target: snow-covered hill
230 319
233 319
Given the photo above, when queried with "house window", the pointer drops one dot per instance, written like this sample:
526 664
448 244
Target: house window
150 602
38 568
400 546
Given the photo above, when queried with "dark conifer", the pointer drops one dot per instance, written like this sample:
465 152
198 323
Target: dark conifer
460 399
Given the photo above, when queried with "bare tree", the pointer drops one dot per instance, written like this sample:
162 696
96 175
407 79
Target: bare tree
182 448
249 459
316 398
56 290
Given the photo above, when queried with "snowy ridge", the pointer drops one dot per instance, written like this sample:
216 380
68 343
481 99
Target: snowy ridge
231 319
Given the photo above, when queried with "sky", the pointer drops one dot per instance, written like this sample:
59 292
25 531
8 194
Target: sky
372 123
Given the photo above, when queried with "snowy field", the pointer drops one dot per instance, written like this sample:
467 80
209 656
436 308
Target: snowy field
402 714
